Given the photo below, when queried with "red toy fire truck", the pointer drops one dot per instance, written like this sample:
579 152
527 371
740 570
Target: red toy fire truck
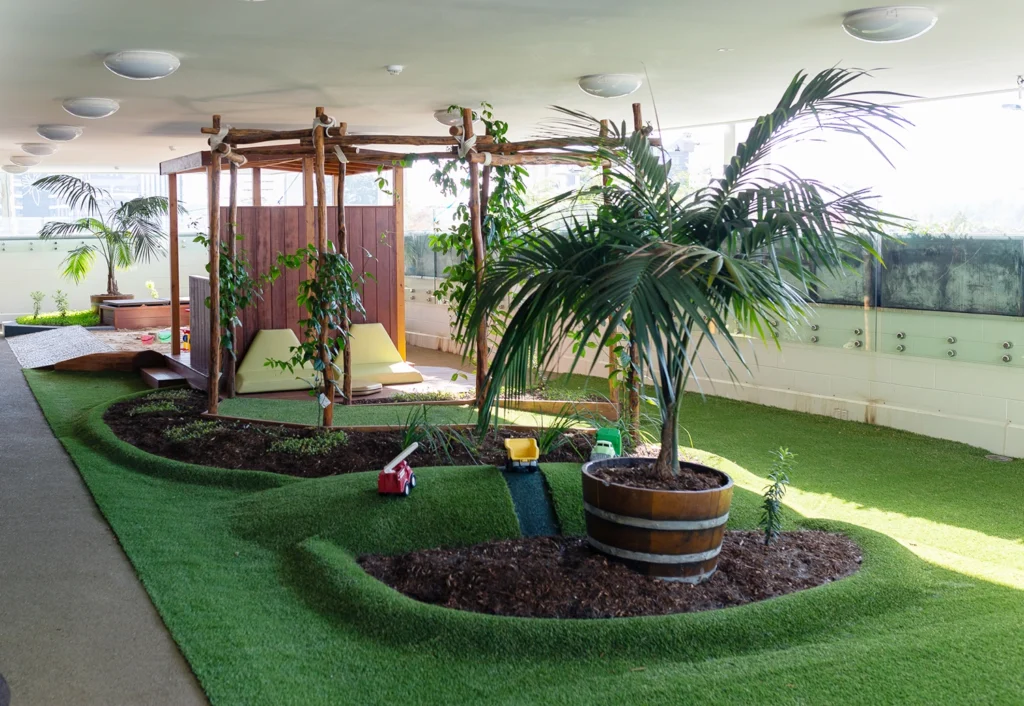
398 478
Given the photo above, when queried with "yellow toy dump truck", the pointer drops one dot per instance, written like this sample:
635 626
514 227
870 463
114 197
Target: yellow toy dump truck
522 455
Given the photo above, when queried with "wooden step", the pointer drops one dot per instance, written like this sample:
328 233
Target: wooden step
161 377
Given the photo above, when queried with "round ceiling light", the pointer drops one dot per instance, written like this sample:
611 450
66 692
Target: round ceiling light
24 160
14 169
610 85
40 149
59 133
889 24
91 108
142 65
448 118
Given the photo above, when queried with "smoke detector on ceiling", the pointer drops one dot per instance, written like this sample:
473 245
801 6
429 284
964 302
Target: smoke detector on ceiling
394 69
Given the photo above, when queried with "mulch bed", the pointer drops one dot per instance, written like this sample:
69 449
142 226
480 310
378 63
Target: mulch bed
246 445
689 478
562 577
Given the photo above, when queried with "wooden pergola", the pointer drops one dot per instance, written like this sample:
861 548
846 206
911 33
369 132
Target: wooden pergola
326 149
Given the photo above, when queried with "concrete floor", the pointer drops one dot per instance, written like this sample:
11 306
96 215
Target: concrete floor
76 626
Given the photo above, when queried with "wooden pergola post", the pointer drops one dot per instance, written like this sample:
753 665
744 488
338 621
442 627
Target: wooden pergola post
613 364
257 187
479 256
398 190
230 365
632 381
213 381
321 246
172 201
346 352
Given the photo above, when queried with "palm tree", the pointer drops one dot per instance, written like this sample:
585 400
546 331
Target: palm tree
124 232
631 254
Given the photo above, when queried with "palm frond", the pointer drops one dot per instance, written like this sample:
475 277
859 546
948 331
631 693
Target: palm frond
79 262
70 229
79 195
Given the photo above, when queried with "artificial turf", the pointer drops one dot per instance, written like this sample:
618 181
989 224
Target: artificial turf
254 576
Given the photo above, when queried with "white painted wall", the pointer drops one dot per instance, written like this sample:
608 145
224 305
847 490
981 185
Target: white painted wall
975 404
27 265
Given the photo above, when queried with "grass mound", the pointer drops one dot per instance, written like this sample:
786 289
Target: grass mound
255 578
449 507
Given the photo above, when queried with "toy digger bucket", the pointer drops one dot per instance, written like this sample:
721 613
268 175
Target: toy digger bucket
522 450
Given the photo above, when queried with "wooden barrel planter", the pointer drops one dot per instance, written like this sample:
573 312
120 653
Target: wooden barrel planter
672 534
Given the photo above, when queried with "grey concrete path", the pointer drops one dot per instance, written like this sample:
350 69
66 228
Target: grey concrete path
76 626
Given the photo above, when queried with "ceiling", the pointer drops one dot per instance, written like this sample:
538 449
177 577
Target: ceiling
268 64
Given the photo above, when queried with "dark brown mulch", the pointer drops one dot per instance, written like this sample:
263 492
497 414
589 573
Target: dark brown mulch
247 445
690 478
562 577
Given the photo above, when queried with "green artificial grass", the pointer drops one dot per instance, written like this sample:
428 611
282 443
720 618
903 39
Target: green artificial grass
85 317
254 575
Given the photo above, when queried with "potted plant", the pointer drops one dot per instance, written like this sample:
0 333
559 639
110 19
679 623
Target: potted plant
122 233
632 255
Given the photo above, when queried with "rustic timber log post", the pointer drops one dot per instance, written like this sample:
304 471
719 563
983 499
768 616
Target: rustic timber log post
213 381
479 255
321 246
172 203
633 380
613 364
346 352
230 365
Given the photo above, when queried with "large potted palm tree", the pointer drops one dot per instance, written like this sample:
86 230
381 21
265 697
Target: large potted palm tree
120 233
681 274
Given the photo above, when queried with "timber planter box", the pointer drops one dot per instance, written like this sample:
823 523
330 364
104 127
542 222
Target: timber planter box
671 534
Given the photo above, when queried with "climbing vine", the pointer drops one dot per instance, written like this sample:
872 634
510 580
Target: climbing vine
238 290
329 297
504 218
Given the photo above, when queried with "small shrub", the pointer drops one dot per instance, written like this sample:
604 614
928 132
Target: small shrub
555 435
771 517
85 317
177 394
37 303
433 396
319 444
153 408
420 430
60 300
190 432
152 289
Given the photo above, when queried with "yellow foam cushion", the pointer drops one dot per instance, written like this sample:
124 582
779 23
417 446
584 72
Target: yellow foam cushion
375 358
372 344
253 376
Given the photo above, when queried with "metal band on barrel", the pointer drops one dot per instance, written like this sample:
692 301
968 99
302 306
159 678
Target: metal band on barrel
656 524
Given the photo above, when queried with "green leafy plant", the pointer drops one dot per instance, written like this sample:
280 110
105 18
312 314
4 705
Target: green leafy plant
124 233
60 300
151 288
319 444
37 303
771 505
632 255
154 407
502 214
174 394
238 289
430 396
554 435
417 428
191 431
329 297
84 317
